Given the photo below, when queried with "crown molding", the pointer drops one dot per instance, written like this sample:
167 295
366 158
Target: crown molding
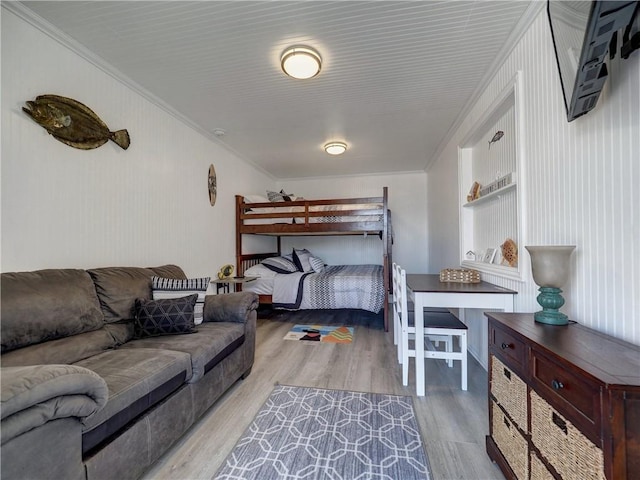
527 19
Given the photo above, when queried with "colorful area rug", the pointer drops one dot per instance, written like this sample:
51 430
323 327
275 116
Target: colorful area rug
309 433
320 333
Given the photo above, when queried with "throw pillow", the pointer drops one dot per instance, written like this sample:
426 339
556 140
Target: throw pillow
301 259
169 316
317 264
280 196
280 265
174 288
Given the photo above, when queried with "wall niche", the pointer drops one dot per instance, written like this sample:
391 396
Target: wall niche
490 186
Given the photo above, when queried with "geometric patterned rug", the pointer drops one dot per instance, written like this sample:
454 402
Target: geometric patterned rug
310 433
320 333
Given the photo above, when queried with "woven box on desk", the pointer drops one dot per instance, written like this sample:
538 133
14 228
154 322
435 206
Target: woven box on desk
460 275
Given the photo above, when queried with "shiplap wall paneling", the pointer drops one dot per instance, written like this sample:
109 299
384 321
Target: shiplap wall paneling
579 186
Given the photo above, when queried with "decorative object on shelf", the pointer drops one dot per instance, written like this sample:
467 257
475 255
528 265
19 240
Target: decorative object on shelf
73 123
474 193
489 255
461 275
498 135
509 251
550 270
496 185
471 255
226 271
213 185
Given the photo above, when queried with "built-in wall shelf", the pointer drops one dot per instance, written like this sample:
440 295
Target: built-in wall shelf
500 270
489 165
493 195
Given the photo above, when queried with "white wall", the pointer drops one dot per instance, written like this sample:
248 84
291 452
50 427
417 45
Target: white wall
407 202
580 182
148 205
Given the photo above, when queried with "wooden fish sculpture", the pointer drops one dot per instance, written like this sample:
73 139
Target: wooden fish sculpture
498 135
73 123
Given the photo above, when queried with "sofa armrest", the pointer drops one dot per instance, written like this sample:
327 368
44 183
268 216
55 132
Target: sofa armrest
231 307
36 394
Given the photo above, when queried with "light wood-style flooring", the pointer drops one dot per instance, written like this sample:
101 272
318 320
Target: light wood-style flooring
453 423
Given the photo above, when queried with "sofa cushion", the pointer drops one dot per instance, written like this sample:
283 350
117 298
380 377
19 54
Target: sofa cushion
119 287
137 379
45 305
63 350
207 348
168 316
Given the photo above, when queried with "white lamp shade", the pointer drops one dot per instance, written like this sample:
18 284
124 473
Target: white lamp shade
550 264
301 62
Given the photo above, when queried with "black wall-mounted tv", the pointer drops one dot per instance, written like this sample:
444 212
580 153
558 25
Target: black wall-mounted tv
582 34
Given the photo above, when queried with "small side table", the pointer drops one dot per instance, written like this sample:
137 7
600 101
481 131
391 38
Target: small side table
223 284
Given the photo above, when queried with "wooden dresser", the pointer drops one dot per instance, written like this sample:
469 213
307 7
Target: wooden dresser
564 401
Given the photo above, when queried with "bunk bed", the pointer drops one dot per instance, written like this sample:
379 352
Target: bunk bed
331 217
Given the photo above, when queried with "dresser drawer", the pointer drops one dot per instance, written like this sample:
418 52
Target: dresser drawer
570 453
508 346
509 391
538 469
510 442
579 396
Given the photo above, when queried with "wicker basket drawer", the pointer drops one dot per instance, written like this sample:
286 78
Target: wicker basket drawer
510 392
511 443
572 454
538 469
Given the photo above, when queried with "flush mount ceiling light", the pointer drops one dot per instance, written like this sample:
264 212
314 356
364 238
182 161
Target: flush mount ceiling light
335 148
301 62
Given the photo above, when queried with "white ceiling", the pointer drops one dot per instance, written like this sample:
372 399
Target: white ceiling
395 77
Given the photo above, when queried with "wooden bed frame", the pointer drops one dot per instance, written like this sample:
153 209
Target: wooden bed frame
374 207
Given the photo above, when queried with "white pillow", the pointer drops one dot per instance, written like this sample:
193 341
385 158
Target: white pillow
301 259
255 199
259 271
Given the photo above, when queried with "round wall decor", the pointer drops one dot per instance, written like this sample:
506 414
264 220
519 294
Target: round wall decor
213 185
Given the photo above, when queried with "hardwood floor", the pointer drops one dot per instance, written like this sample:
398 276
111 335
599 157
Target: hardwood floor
453 423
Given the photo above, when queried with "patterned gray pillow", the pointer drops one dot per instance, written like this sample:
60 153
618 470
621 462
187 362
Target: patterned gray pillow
168 316
174 288
280 196
280 265
317 264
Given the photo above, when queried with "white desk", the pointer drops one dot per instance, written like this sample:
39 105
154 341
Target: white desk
428 291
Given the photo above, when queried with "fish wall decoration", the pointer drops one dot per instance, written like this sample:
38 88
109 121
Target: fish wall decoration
499 134
73 123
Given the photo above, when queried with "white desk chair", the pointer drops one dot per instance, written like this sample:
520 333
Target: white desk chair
435 324
398 293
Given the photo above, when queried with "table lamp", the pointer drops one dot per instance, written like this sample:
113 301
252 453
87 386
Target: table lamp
550 270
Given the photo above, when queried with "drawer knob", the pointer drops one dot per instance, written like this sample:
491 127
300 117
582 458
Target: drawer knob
505 346
557 385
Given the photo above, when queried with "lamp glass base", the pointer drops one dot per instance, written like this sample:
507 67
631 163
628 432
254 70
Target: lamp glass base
551 318
550 300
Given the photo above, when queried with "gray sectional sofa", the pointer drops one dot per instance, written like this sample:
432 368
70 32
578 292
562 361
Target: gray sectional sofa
82 396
